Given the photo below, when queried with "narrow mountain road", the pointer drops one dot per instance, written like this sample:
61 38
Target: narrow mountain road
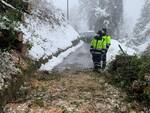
71 92
73 88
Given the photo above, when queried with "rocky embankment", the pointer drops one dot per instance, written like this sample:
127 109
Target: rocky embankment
15 67
11 75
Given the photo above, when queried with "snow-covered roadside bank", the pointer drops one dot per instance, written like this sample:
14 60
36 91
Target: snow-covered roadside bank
115 50
142 47
47 31
46 41
57 60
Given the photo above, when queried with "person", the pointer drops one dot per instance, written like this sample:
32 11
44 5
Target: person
108 43
98 45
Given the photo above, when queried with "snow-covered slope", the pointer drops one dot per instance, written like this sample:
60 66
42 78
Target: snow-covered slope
47 31
115 50
57 60
140 37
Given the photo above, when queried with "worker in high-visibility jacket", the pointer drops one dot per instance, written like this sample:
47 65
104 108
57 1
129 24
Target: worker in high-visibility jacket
108 43
98 46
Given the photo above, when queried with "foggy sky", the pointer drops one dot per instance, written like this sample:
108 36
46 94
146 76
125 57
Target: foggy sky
63 4
132 10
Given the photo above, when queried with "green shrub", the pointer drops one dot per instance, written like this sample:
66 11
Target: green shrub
8 42
39 101
29 45
10 19
16 3
145 65
13 15
129 73
147 91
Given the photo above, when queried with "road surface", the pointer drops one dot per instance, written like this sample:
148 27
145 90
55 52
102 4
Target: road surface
80 59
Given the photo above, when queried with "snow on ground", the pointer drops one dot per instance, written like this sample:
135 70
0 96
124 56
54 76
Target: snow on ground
115 50
81 58
47 41
48 32
141 48
57 60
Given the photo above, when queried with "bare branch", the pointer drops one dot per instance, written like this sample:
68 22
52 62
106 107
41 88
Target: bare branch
8 5
12 7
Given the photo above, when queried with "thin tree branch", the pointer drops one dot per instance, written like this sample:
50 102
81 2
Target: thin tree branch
12 7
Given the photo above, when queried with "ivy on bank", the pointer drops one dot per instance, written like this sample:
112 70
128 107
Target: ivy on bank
9 21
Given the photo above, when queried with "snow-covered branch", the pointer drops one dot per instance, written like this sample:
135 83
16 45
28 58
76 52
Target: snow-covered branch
8 5
12 7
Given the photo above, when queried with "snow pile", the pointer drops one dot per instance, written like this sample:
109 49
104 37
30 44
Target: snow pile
47 31
141 48
115 50
57 60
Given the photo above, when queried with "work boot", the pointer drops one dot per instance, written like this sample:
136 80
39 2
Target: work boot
95 69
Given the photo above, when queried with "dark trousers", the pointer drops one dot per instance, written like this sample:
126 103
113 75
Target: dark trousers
104 55
99 60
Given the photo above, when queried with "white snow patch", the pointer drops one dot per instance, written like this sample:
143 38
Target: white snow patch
57 60
141 48
115 50
46 40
